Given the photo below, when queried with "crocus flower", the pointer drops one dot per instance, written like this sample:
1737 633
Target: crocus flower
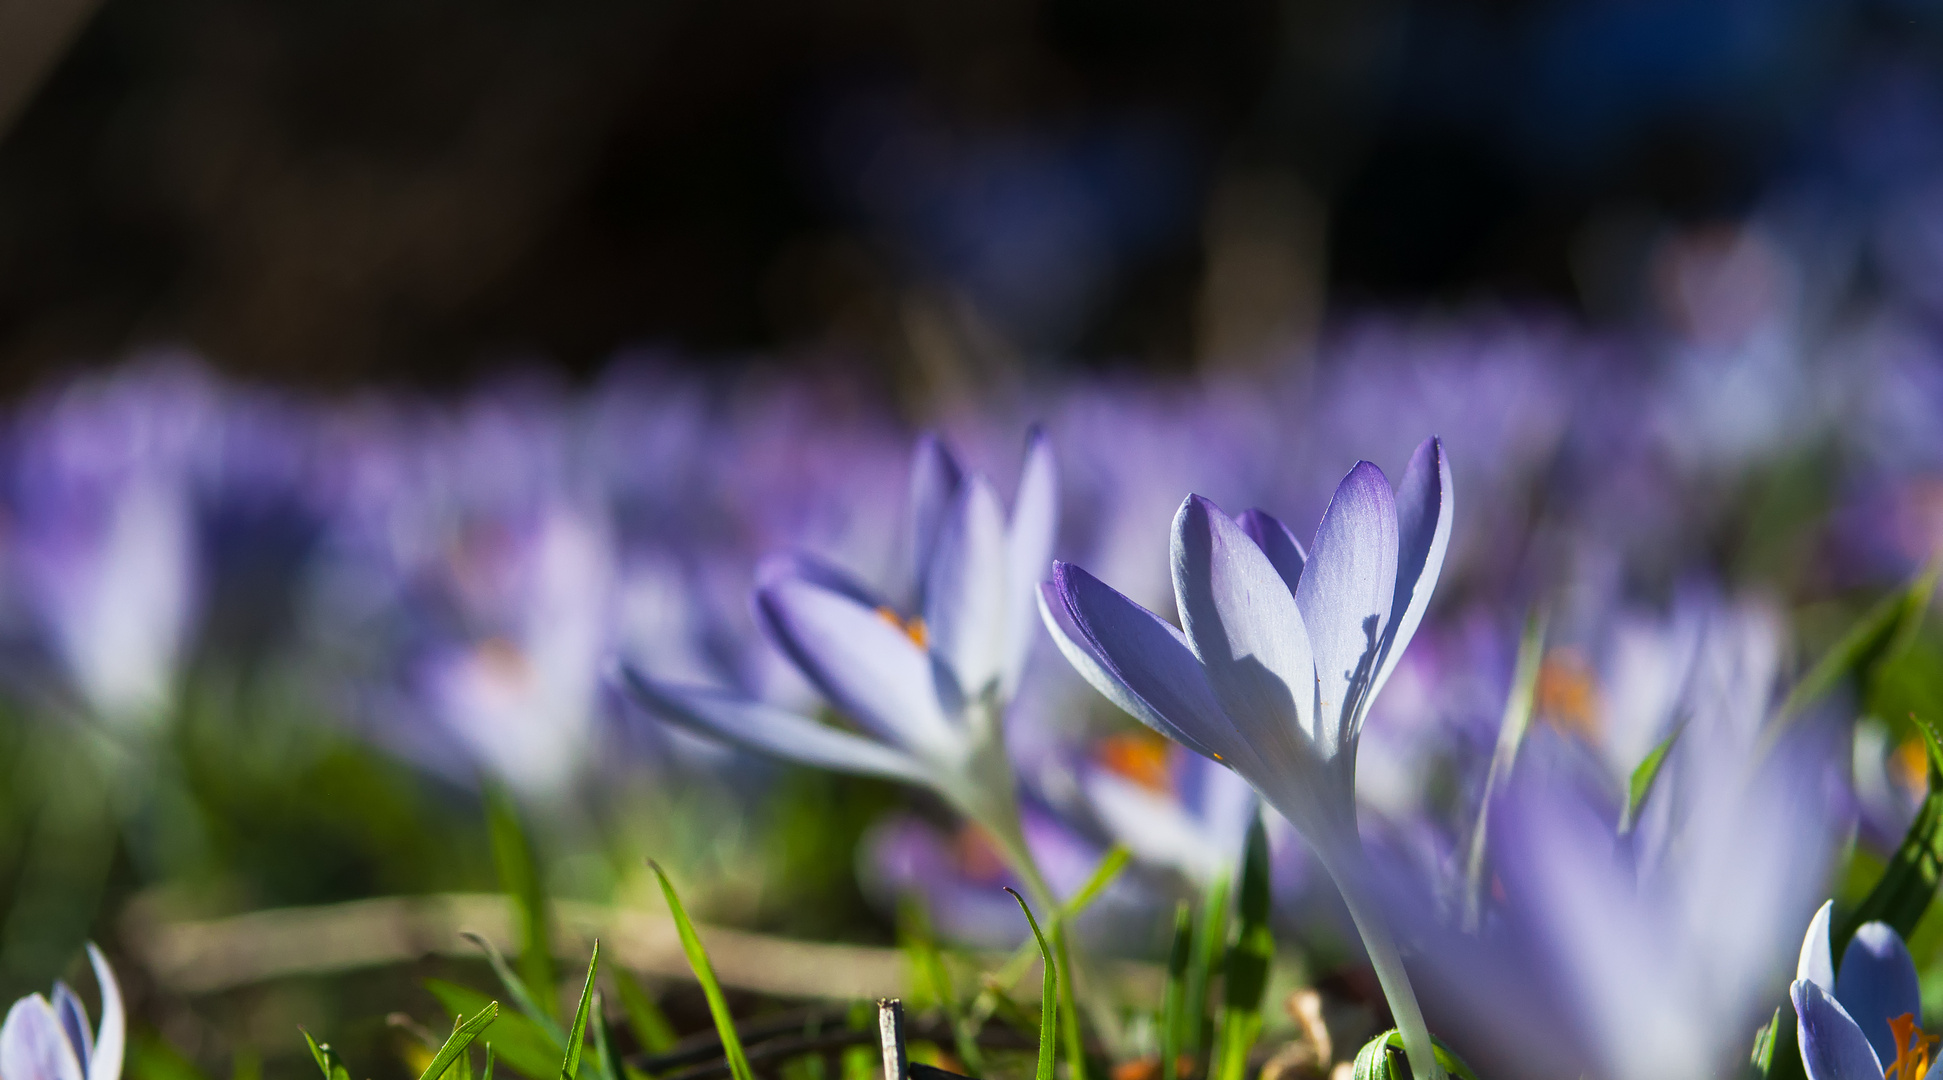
105 524
522 694
51 1040
927 686
1850 1022
1283 651
1634 954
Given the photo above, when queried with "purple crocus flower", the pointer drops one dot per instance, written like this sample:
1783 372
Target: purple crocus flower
51 1040
106 531
1641 953
1850 1023
927 686
1283 651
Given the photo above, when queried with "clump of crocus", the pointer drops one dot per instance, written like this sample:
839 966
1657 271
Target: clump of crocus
926 685
51 1040
1283 650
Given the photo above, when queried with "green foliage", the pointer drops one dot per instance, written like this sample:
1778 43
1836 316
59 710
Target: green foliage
577 1035
522 995
1173 1002
1245 976
523 1043
327 1060
718 1006
150 1058
1761 1062
644 1018
1640 784
1048 995
1511 735
1883 635
520 879
1382 1059
1211 934
604 1056
461 1038
930 975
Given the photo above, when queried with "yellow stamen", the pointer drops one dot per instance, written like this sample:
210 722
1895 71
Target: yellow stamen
1913 1049
1139 757
912 627
1567 697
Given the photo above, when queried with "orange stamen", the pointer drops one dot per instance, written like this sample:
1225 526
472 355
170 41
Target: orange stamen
1913 1049
1139 757
1909 764
1567 696
912 627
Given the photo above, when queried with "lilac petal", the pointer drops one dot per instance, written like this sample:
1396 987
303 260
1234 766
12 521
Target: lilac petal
1832 1047
74 1021
1817 961
1035 523
1137 660
33 1046
1424 529
863 663
965 608
1345 595
766 729
1246 629
1277 542
803 566
1877 983
935 480
105 1062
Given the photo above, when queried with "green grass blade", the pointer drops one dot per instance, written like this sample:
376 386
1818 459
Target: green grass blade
1887 630
519 1040
1048 996
1245 977
516 988
1511 735
577 1035
520 877
317 1054
928 967
1173 1000
604 1057
1111 864
1069 1031
460 1039
1210 936
1115 860
1640 784
645 1019
327 1060
718 1006
487 1075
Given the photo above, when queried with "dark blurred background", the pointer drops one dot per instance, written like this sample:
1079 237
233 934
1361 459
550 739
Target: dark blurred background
337 193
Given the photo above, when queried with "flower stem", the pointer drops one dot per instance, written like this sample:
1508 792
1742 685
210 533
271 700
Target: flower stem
1346 868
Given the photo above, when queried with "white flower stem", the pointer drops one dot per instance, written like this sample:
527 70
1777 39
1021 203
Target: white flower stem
1346 868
